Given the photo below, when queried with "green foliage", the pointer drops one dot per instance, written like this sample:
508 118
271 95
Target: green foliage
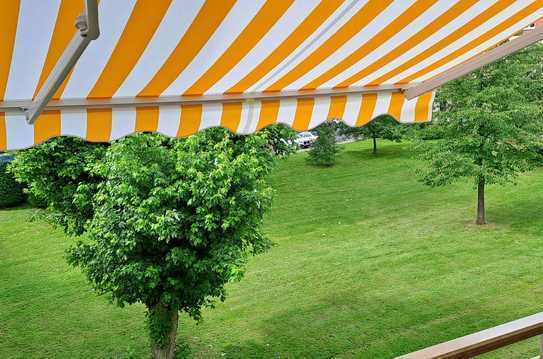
281 139
11 192
383 127
168 222
58 173
175 220
490 123
324 150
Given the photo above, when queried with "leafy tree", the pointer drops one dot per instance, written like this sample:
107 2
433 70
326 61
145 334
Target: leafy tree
324 150
490 122
384 127
168 222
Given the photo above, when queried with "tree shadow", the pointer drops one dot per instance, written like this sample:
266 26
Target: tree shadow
379 327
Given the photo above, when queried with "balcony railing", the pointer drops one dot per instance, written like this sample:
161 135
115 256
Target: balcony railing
485 341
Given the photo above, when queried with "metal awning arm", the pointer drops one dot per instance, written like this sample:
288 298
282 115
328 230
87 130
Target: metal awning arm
476 62
89 30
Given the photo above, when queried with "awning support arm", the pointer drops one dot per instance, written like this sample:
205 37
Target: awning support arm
476 62
88 27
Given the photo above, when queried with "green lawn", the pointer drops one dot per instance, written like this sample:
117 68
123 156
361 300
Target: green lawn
368 263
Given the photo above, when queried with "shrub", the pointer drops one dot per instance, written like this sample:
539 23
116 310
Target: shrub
324 150
11 192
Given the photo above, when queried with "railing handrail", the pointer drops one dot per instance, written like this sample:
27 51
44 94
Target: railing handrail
484 341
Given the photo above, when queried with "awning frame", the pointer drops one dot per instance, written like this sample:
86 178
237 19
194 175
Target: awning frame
476 62
88 30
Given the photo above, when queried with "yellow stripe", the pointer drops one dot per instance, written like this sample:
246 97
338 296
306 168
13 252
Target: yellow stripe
146 119
436 25
396 103
422 108
268 113
359 20
261 23
3 133
304 111
9 10
203 26
62 34
390 30
231 115
191 115
142 24
504 25
367 107
446 41
47 126
337 107
307 27
98 125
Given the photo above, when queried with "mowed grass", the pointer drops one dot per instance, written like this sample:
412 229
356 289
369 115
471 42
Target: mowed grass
368 263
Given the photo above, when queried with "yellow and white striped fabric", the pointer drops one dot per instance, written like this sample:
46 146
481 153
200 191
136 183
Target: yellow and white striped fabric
169 48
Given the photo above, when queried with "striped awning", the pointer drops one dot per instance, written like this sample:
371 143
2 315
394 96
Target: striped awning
180 66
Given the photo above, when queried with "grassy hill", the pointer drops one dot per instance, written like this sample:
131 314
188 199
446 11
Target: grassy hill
368 263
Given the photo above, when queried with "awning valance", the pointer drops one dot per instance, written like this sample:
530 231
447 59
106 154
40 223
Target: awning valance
177 66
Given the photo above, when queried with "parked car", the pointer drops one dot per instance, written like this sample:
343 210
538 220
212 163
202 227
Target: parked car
305 139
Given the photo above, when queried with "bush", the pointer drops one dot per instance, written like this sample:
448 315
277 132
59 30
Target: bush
324 150
11 192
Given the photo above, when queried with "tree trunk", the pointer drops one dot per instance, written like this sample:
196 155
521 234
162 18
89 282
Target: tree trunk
481 202
374 145
163 325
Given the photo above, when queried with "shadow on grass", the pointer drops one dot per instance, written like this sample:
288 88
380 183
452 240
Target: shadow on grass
386 327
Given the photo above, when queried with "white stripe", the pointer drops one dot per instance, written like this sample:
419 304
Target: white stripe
211 115
19 133
34 31
329 27
486 26
123 122
439 35
287 111
234 23
175 23
168 119
73 122
320 111
114 15
277 34
250 112
407 115
382 104
352 109
487 44
400 37
374 27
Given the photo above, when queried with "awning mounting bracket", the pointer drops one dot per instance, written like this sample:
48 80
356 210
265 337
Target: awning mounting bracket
88 30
